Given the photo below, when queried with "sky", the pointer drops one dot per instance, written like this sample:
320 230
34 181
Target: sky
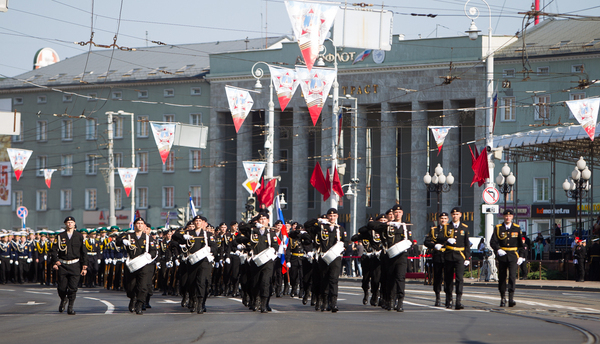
30 25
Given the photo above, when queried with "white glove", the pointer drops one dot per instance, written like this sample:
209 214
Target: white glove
240 247
323 221
107 261
126 242
99 261
114 261
395 224
227 261
501 252
288 264
438 246
378 253
467 262
29 260
258 225
169 264
177 262
451 241
158 265
45 257
211 258
187 237
574 261
11 261
310 254
16 262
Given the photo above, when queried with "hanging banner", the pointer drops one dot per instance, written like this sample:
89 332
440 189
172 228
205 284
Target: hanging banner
18 159
586 113
251 184
128 178
240 104
439 134
48 175
285 83
164 134
254 169
315 86
5 181
310 22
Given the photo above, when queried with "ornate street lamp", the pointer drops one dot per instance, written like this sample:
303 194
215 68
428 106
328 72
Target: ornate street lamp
577 188
505 181
438 183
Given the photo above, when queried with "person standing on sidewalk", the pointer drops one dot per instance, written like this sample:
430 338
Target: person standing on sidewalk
456 256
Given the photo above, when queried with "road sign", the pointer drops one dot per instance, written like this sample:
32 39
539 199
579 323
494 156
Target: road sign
22 212
490 209
491 195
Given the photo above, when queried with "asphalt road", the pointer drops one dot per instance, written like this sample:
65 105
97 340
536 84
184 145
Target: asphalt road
29 314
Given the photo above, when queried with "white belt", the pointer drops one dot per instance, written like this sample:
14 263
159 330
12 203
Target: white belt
62 261
92 253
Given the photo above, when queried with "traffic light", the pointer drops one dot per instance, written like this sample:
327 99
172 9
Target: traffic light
181 217
250 208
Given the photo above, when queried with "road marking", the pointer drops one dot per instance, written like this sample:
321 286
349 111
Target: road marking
37 292
348 293
169 301
110 308
7 290
31 303
234 299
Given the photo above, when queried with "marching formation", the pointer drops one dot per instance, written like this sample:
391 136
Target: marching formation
253 260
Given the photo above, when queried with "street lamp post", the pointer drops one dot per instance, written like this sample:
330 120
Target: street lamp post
577 188
505 180
438 183
353 186
473 14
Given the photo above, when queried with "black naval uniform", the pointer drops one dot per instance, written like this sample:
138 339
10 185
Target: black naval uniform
454 260
5 258
511 242
137 282
92 247
370 263
70 252
293 255
436 236
579 253
231 270
594 259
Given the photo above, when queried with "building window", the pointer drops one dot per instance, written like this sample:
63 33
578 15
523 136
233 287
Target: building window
169 118
283 160
90 164
142 162
508 109
143 94
118 127
18 101
41 131
18 138
118 198
117 161
66 165
92 97
577 68
142 197
142 126
168 197
67 98
195 160
90 199
17 199
67 130
575 96
196 118
284 192
91 130
542 107
540 190
508 73
40 164
42 99
169 92
41 200
196 91
543 71
65 199
117 95
196 192
169 165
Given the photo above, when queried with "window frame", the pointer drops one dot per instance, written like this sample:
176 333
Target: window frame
546 107
138 162
193 167
91 130
512 109
66 130
143 126
535 190
66 167
168 197
138 196
91 199
41 200
90 165
66 203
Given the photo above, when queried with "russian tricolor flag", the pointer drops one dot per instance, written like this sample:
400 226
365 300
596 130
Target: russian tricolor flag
284 237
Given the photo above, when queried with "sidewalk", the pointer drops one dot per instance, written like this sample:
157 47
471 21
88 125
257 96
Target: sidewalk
525 284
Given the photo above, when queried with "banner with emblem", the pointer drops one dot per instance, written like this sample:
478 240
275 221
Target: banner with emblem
310 22
48 175
5 181
127 178
240 104
285 83
254 169
315 86
18 159
586 113
251 184
164 134
439 134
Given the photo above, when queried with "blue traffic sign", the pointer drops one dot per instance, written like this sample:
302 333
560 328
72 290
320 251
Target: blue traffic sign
22 212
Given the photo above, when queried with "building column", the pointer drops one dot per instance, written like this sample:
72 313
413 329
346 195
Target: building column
418 163
244 153
451 154
301 180
361 209
216 189
388 158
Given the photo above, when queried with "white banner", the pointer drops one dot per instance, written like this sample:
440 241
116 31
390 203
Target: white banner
254 169
240 104
586 113
18 159
310 22
48 176
163 136
285 83
5 181
128 178
315 86
439 134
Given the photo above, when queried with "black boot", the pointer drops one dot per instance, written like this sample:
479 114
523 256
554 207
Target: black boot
70 310
199 309
333 304
375 298
502 301
327 303
458 302
318 301
305 298
63 304
313 299
185 300
400 305
263 305
267 307
511 301
366 297
138 308
438 300
448 300
148 302
132 305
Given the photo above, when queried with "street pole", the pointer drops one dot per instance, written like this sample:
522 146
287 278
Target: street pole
355 168
112 218
335 108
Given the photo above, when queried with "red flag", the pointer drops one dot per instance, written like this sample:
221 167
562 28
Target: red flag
480 167
317 180
337 186
268 194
